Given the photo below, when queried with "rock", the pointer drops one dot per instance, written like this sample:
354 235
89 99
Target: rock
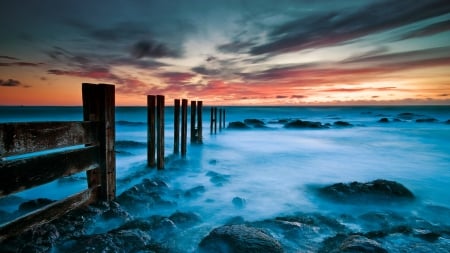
217 178
115 211
237 125
34 204
383 120
144 195
366 192
184 220
447 122
256 123
195 191
358 243
342 124
239 202
406 116
426 120
239 239
304 124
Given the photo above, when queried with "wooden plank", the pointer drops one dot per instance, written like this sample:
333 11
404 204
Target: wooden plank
20 138
99 105
21 174
46 214
151 133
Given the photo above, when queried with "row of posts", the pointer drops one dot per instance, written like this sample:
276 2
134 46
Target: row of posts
156 128
214 123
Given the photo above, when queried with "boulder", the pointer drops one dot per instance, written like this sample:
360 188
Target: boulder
342 124
358 243
383 120
360 192
239 239
304 124
447 122
426 120
185 219
256 123
237 125
239 202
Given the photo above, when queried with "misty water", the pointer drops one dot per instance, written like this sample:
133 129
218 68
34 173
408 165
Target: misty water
262 173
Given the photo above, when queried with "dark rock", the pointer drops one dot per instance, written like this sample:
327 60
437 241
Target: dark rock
237 125
447 122
239 239
357 243
426 120
384 120
427 235
31 205
217 178
304 124
239 202
185 219
144 195
406 116
376 190
195 191
115 211
342 124
256 123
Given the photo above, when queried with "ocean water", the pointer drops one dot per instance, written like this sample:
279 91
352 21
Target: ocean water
275 170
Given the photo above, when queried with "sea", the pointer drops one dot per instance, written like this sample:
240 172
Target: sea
271 171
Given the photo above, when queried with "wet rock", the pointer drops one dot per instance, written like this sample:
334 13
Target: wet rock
237 125
34 204
185 219
256 123
304 124
239 239
406 116
384 120
426 120
447 122
239 202
38 239
115 211
342 124
144 195
217 178
195 191
357 243
357 192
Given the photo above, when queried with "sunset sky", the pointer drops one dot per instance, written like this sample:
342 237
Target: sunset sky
235 52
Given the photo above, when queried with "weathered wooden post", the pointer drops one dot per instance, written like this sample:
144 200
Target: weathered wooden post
223 121
193 119
99 105
176 128
151 133
160 132
215 120
183 126
199 122
220 119
211 122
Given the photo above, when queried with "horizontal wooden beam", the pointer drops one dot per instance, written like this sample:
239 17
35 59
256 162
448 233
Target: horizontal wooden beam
46 214
21 138
18 175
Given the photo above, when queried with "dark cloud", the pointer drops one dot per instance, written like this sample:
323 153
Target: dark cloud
8 58
331 28
281 97
11 83
99 73
206 71
20 64
153 49
236 47
298 96
176 77
429 30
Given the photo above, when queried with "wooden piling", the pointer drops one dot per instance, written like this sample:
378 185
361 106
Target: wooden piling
160 131
183 126
199 121
151 133
223 121
211 122
215 120
99 105
220 119
176 128
193 119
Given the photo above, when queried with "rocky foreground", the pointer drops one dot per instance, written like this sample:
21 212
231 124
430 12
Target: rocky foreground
380 231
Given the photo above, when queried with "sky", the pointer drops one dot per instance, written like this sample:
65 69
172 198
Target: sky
235 52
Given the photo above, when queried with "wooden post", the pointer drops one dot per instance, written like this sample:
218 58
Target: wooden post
193 119
215 120
176 128
99 105
211 122
160 131
199 122
151 133
220 119
183 126
223 121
